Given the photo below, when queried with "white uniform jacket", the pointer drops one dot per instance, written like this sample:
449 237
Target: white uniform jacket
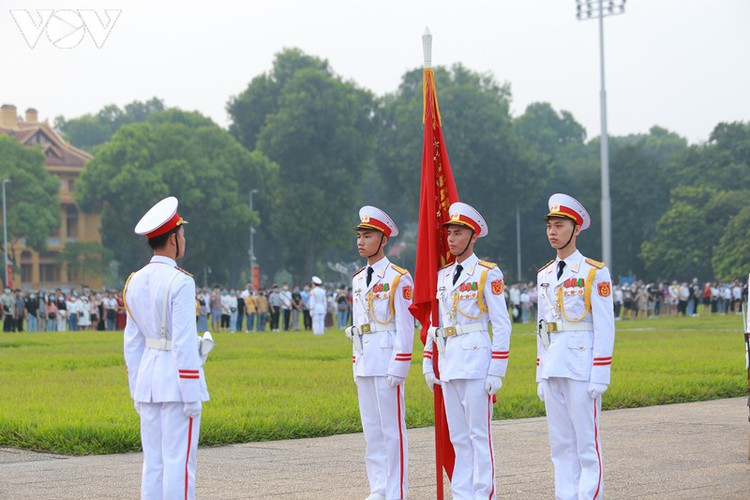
383 307
582 348
154 375
318 301
476 298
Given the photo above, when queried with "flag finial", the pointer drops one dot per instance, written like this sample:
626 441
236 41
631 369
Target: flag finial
427 47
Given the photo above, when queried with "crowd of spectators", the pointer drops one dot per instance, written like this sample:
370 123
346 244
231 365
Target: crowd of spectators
288 308
44 311
275 309
638 299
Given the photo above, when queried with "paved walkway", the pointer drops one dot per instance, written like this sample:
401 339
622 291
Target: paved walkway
685 451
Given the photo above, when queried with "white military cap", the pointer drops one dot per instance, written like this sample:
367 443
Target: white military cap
563 205
317 280
160 219
374 218
463 214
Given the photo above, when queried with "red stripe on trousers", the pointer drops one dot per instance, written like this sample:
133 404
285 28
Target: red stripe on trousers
400 440
489 442
598 456
187 456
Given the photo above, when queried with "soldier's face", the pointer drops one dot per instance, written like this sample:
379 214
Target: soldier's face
459 238
559 231
368 242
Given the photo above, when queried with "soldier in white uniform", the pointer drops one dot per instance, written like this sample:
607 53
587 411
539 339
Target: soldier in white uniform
318 306
576 334
163 359
470 295
382 336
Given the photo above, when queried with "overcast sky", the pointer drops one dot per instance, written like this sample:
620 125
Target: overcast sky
681 64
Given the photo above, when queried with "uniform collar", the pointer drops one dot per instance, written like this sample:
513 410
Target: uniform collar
572 262
160 259
468 268
378 271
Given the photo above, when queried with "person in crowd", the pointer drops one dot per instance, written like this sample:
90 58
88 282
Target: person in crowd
274 304
306 312
342 307
318 306
286 305
261 302
297 308
570 380
251 309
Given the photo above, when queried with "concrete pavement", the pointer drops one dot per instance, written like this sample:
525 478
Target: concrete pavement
685 451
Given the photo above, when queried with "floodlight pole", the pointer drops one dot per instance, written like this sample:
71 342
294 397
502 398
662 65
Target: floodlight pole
590 9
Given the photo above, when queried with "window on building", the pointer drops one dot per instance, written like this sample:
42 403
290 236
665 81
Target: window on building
71 216
26 267
71 185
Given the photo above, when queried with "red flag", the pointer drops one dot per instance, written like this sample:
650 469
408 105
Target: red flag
437 193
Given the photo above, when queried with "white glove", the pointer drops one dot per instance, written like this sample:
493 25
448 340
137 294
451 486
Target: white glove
137 406
596 390
540 390
493 384
350 332
192 409
395 381
431 380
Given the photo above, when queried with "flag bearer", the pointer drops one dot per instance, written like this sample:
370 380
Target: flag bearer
576 334
470 297
382 336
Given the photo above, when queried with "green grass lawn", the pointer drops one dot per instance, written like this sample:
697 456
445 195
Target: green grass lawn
68 392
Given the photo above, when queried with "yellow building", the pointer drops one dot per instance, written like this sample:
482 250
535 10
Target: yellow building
44 270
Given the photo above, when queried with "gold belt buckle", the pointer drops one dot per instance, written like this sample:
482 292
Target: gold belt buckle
552 327
449 331
365 328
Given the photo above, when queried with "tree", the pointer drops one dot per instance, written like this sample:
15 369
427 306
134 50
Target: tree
85 259
89 131
318 129
491 168
208 171
33 206
687 233
731 256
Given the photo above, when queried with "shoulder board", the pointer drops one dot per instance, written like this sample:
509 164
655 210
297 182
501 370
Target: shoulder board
183 271
595 263
545 266
488 265
359 271
447 265
399 270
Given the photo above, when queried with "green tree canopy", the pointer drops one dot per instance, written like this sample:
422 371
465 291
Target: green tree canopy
203 166
318 128
89 131
33 206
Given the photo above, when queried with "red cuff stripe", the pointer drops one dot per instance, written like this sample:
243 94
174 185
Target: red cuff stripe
189 371
606 363
193 377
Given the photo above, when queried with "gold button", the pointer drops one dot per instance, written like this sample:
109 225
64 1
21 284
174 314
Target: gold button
581 347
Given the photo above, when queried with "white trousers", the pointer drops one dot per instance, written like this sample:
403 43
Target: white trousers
381 408
170 442
575 446
318 323
468 410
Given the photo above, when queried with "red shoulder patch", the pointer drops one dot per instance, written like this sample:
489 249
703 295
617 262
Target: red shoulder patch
498 286
407 292
604 288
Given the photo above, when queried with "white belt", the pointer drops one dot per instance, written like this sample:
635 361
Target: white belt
374 328
455 331
159 344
